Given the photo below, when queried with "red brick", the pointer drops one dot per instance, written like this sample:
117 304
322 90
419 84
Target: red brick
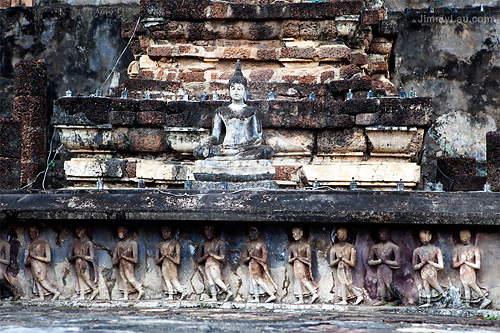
261 75
192 76
171 76
380 45
291 29
146 74
10 173
298 52
307 79
131 169
151 118
225 75
218 10
267 54
328 75
184 48
335 53
234 33
285 172
30 110
29 171
309 30
31 78
34 144
370 17
348 71
155 52
367 119
378 68
125 118
236 53
290 78
359 59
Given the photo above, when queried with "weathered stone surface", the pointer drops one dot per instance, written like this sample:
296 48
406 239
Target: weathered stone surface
94 168
395 141
341 141
10 173
469 183
341 86
493 159
31 78
289 141
122 118
71 111
221 169
158 170
154 118
186 139
285 172
10 138
334 53
34 146
451 167
86 138
143 140
417 208
367 119
465 134
365 174
30 110
380 45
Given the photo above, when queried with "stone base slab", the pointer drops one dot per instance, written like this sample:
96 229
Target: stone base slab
364 173
233 170
250 185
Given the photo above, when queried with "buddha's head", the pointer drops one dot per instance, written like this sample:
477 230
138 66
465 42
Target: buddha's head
425 236
238 84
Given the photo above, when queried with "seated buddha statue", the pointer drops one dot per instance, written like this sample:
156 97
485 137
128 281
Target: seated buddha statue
242 125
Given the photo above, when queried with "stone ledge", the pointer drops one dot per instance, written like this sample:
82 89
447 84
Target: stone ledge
276 114
199 10
164 304
476 208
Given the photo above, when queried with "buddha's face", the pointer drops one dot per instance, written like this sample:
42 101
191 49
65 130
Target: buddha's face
209 232
80 232
237 92
122 232
33 232
297 233
342 234
166 232
254 234
384 235
425 236
465 237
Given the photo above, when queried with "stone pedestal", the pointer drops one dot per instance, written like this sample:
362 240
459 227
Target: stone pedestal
220 173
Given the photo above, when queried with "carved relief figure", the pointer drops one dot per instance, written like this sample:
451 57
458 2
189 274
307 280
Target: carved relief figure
467 258
242 125
386 257
212 253
6 280
428 259
81 253
168 256
125 257
299 255
38 257
343 256
254 254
